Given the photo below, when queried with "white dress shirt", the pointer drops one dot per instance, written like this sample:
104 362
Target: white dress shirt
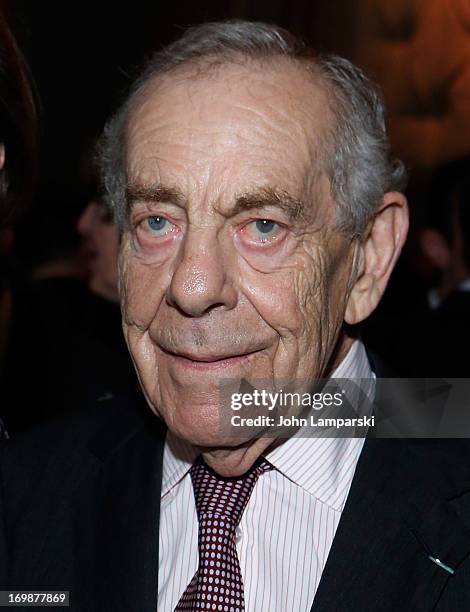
285 534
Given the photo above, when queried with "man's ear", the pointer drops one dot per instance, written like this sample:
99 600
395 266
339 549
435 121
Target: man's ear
379 250
2 155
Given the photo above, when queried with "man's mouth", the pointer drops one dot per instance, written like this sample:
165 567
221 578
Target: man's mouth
201 361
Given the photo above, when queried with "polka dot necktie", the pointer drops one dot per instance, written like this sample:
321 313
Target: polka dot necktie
220 502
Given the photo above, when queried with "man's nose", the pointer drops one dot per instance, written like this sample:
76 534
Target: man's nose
201 280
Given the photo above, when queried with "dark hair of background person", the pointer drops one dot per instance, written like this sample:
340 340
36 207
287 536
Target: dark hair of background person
19 138
18 127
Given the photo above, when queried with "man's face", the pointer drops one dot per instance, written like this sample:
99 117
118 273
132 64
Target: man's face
231 266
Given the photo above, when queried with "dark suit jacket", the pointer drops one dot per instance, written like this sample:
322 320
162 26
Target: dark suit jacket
66 338
81 513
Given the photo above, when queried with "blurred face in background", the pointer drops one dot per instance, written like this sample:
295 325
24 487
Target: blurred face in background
101 248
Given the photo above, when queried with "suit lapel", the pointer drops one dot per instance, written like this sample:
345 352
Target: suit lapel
110 522
126 547
395 517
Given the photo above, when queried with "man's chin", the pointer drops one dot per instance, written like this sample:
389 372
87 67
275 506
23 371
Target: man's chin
201 422
208 438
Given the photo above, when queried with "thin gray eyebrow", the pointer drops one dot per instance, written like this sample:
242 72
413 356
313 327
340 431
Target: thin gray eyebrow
154 193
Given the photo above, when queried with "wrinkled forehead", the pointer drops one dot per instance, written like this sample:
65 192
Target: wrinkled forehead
234 127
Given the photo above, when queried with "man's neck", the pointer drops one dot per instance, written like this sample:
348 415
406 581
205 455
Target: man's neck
343 346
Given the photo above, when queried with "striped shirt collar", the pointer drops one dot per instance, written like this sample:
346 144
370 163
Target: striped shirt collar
322 466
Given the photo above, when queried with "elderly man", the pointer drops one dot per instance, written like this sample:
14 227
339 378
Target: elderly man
261 217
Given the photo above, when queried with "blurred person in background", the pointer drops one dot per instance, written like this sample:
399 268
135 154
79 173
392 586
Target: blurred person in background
67 331
18 129
100 247
445 247
433 322
18 144
18 151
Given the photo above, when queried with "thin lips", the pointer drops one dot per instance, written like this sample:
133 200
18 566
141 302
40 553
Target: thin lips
206 358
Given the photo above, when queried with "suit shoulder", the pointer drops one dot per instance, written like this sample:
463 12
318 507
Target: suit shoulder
60 453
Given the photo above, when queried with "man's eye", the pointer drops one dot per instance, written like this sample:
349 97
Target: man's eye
263 229
157 225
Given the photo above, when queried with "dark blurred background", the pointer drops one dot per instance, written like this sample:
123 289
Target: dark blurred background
81 55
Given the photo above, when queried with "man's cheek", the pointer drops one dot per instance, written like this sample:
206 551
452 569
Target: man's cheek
303 294
272 298
141 293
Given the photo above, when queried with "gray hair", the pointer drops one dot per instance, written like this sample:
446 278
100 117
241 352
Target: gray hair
358 163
